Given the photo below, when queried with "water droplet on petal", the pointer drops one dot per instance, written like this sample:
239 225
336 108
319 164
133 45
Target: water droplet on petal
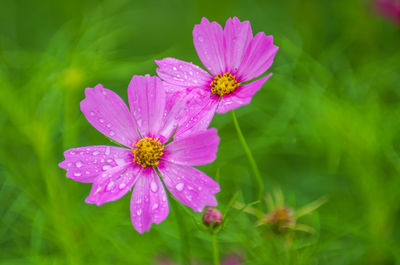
139 211
96 153
106 167
201 38
174 68
101 120
155 206
122 185
78 164
112 133
180 186
110 185
77 174
91 113
107 152
153 186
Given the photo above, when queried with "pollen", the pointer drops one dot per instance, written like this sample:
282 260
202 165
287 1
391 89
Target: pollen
224 84
147 151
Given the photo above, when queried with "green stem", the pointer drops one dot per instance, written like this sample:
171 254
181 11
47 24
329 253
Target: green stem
214 238
250 157
185 248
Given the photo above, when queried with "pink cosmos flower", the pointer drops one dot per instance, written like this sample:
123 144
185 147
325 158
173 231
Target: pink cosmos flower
144 130
233 58
389 9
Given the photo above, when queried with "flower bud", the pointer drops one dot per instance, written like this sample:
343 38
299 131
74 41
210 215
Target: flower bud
212 217
281 219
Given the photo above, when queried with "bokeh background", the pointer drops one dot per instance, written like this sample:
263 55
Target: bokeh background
326 123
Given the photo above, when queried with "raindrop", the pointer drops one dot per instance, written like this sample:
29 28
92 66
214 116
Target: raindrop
78 164
91 113
107 152
110 185
153 186
108 125
96 153
174 68
101 120
201 38
112 133
122 185
180 186
77 174
155 206
106 167
139 211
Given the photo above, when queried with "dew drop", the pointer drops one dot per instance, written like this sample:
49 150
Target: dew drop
112 133
78 164
91 113
155 206
101 120
139 211
201 38
174 68
77 174
110 185
96 153
106 167
87 172
107 152
153 186
180 186
108 125
122 185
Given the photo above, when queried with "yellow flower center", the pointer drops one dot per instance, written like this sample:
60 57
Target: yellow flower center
147 151
223 84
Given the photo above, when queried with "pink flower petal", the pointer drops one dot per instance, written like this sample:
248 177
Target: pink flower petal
84 164
197 113
241 96
237 36
147 102
149 203
107 112
182 73
189 185
209 44
258 57
195 150
113 184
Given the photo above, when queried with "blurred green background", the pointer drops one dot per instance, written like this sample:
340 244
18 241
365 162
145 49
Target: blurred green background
326 123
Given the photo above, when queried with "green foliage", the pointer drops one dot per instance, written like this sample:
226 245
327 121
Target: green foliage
326 123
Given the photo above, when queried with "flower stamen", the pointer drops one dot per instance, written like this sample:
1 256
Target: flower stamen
224 84
147 152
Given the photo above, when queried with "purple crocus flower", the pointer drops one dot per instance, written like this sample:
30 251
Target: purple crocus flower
144 130
233 57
